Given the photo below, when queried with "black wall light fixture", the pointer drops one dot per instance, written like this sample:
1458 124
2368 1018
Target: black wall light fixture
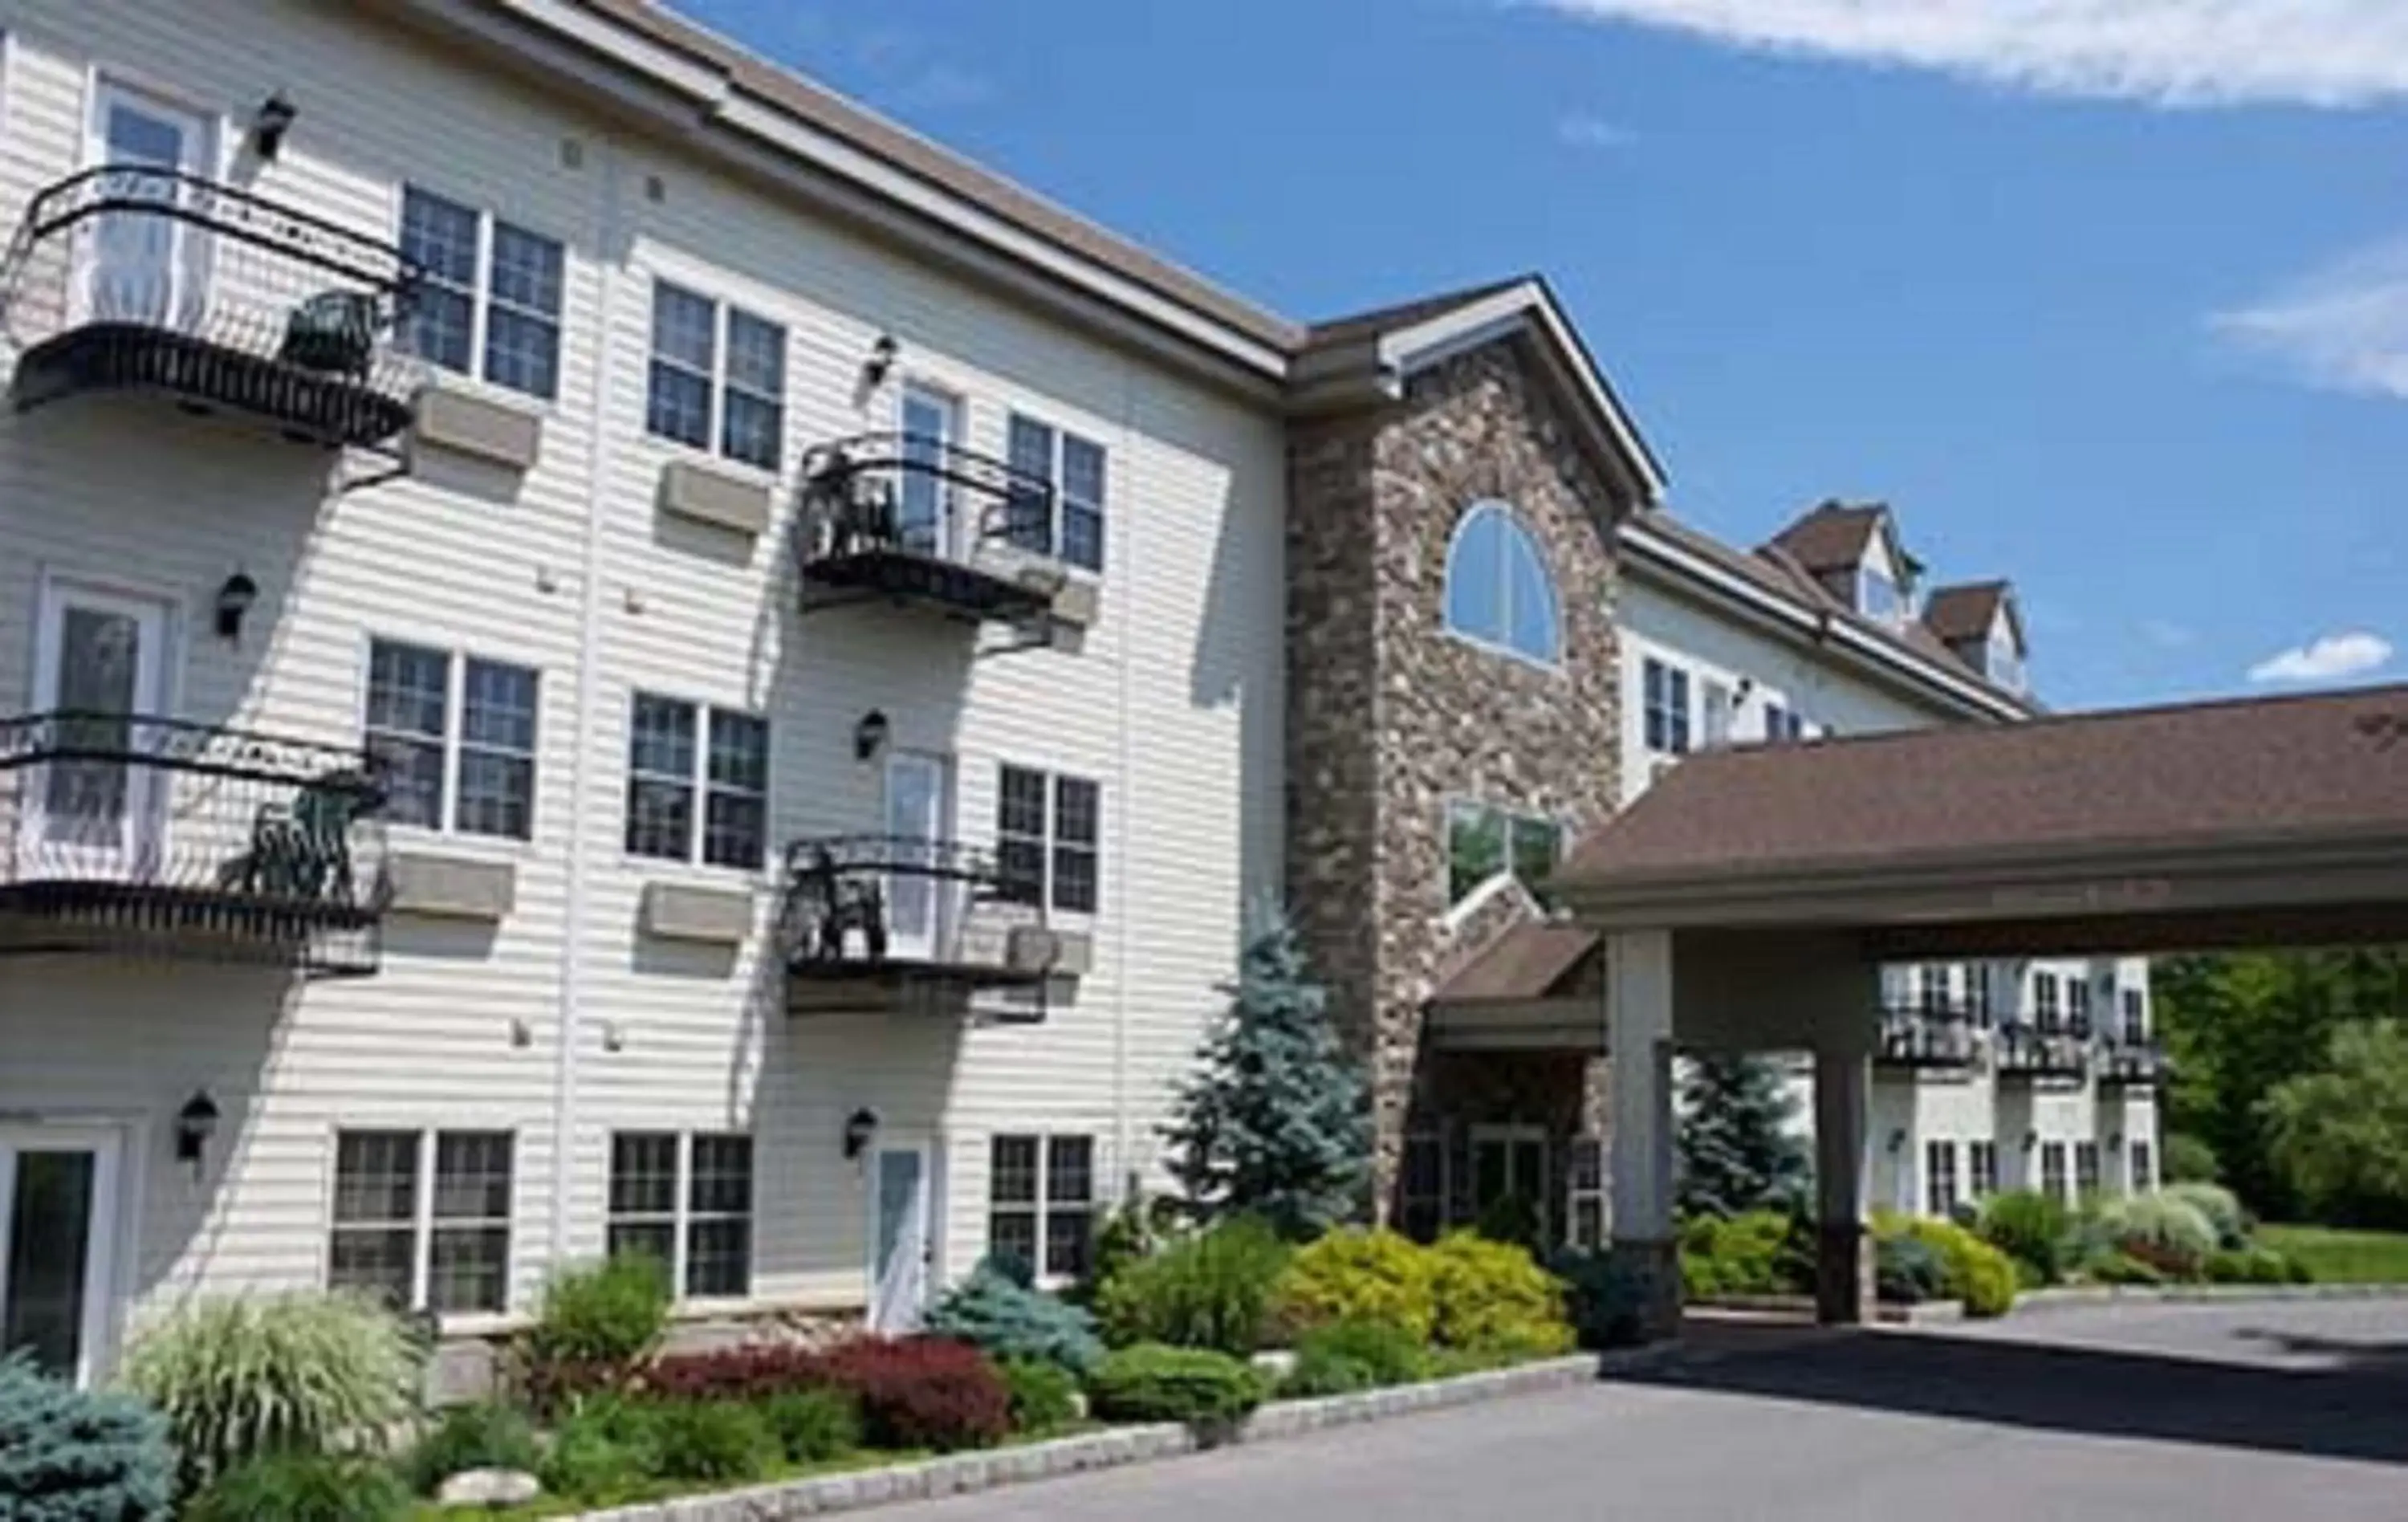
268 127
194 1125
234 599
881 362
869 735
859 1128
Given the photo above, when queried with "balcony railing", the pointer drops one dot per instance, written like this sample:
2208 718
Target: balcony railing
137 277
2133 1064
124 834
1922 1036
2031 1052
879 922
902 519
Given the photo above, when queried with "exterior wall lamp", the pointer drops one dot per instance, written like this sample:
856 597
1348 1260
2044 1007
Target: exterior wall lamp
268 127
2031 1140
234 599
881 362
869 735
1897 1140
859 1129
194 1125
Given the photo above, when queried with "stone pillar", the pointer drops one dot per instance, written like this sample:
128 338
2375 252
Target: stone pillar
1843 1279
1638 1044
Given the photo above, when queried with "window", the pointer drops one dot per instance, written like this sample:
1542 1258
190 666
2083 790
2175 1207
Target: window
687 1201
470 768
489 288
1939 1178
1483 841
2045 1001
1497 589
1931 988
2077 1006
1982 1167
2086 1170
1783 725
1878 596
1072 471
1421 1187
1041 1198
1584 1193
444 1249
679 753
718 372
1977 995
1665 708
2051 1170
1715 702
2143 1165
1049 855
2005 663
2136 1020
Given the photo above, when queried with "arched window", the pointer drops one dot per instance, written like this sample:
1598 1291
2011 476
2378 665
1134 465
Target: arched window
1497 589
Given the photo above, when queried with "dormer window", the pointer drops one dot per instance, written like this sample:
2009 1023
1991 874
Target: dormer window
1878 596
2004 663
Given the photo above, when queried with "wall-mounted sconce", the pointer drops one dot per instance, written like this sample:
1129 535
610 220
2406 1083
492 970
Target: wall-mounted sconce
269 124
2031 1140
194 1125
1739 694
859 1129
881 362
869 735
2115 1143
234 599
1897 1140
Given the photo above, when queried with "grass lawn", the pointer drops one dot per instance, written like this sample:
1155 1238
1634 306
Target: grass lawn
2343 1257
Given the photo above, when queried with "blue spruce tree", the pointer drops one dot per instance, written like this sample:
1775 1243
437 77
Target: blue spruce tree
1277 1124
1735 1150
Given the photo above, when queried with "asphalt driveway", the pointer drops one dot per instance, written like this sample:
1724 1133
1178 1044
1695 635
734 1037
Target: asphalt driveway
2193 1414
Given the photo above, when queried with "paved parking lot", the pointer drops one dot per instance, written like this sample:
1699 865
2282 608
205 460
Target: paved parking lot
2298 1412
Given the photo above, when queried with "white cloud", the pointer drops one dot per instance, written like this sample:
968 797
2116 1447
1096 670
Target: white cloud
1580 129
2168 634
2327 659
2345 326
2185 52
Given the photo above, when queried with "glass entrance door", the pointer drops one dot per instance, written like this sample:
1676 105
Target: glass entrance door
57 1193
101 669
1509 1180
900 1240
925 508
146 266
916 797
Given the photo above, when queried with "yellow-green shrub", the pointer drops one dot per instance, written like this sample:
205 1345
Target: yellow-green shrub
1492 1297
1978 1274
1359 1275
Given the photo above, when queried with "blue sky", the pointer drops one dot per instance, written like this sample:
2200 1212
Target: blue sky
2107 296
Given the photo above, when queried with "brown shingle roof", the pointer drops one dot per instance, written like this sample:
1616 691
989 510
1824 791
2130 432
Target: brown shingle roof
1529 961
1381 320
1832 536
1959 614
2197 774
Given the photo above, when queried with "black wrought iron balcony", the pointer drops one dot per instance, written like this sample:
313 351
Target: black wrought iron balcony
2130 1063
897 518
122 835
879 922
1926 1037
137 277
2034 1053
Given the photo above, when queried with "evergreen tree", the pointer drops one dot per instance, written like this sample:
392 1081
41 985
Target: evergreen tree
1737 1152
1277 1124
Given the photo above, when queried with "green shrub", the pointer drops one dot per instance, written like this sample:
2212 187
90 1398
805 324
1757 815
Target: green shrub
1154 1383
596 1322
2219 1205
1605 1295
73 1456
2190 1160
2297 1269
2248 1266
1319 1373
1979 1274
1209 1291
603 1451
995 1311
1388 1354
240 1377
303 1488
486 1436
1908 1270
2167 1233
2124 1269
1493 1296
1044 1395
1138 1228
1755 1253
813 1426
1360 1275
2031 1228
714 1441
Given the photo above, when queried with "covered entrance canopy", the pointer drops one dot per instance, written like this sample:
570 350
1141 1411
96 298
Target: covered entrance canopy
1748 899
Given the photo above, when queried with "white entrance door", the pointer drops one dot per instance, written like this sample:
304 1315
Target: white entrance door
101 667
145 267
58 1198
900 1238
917 799
930 421
1509 1175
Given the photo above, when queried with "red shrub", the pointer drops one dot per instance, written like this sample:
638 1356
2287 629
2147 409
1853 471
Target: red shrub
924 1392
733 1374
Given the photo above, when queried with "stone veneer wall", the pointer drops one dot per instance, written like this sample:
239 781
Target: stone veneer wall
1390 717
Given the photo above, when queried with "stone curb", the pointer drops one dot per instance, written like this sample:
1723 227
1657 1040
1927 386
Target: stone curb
961 1474
2077 1297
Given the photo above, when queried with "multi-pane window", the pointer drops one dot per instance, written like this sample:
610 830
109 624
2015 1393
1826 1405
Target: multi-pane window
1500 590
717 373
445 1248
2086 1170
1056 504
1421 1186
1715 706
2136 1020
2046 1013
697 783
1982 1169
1665 708
1584 1193
2077 1006
1931 988
1049 839
1939 1178
1041 1201
468 766
488 288
2051 1170
2143 1167
1484 840
1783 725
687 1201
1977 993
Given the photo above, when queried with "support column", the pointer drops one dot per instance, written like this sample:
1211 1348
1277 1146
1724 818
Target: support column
1843 1278
1639 1046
